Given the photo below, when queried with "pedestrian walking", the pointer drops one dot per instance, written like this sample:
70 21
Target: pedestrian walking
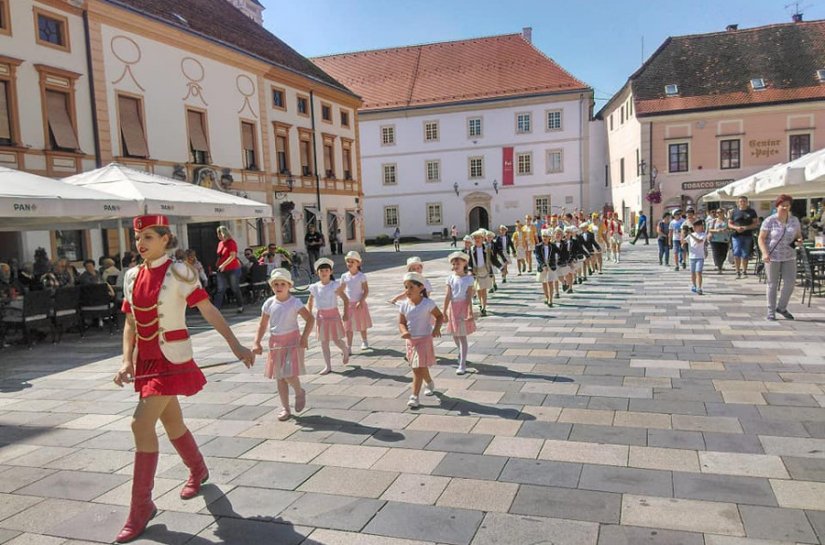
356 290
663 239
696 242
641 228
158 359
415 322
329 323
458 307
676 239
779 234
285 361
229 268
719 238
743 223
454 236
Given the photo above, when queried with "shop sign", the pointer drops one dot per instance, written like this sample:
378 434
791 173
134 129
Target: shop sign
705 184
764 148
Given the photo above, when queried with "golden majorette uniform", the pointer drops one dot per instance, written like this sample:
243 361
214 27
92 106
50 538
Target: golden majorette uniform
157 293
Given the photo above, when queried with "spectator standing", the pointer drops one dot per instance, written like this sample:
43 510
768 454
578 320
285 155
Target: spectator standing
313 241
777 236
229 268
742 223
662 236
719 238
454 235
641 228
396 239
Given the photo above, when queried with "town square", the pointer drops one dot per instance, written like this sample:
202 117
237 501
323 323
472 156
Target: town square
425 287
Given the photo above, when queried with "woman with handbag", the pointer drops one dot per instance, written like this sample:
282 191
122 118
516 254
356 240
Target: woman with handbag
777 237
719 238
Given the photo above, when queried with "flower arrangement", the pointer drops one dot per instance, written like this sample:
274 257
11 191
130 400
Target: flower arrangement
654 196
287 207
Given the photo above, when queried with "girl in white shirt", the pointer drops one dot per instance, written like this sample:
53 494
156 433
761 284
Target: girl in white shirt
285 362
330 328
357 290
417 330
458 307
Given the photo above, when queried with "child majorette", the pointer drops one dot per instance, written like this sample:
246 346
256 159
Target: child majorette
614 232
325 294
547 256
357 290
582 257
458 306
415 322
571 246
285 362
157 357
503 244
481 265
520 242
414 264
592 245
562 258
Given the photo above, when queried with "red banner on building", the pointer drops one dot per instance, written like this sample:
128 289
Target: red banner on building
507 174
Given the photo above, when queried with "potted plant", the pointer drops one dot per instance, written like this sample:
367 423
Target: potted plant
287 207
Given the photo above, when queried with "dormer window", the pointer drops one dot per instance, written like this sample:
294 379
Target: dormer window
758 84
671 90
820 75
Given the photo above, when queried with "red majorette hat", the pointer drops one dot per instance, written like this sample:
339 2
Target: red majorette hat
145 222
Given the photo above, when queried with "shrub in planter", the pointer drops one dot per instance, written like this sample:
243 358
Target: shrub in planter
382 239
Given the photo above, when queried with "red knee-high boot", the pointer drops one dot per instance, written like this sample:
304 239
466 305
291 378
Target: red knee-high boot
142 509
192 458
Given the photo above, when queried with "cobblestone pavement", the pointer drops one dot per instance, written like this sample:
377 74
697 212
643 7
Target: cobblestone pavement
632 413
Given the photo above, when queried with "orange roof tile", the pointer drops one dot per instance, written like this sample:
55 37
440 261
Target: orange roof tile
728 100
446 72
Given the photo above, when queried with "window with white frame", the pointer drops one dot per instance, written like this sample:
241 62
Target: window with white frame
555 160
474 127
391 216
433 171
554 120
434 214
476 167
431 131
390 176
388 135
524 123
524 162
541 206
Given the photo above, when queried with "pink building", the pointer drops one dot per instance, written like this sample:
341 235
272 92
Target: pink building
708 109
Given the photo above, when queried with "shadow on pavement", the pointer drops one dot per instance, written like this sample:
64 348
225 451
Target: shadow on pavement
327 423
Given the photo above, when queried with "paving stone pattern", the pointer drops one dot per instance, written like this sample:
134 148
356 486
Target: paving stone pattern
633 412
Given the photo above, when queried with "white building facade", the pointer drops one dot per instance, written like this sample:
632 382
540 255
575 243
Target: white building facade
474 133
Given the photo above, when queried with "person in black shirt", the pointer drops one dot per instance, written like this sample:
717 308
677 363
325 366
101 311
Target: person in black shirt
313 241
743 223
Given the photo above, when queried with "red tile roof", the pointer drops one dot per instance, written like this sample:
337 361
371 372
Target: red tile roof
714 71
448 72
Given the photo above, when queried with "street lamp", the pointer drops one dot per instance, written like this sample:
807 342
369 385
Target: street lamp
290 183
495 186
455 188
654 172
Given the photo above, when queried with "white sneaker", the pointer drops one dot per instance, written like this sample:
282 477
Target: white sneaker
413 402
365 346
461 370
429 388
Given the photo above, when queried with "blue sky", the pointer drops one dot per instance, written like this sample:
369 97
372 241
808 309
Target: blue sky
598 41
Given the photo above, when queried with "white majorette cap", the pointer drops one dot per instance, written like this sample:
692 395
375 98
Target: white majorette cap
489 233
547 232
414 277
558 230
569 229
500 227
479 233
413 260
281 275
352 254
324 261
467 238
458 255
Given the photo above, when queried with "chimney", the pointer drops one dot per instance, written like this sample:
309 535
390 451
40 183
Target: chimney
796 17
732 28
527 34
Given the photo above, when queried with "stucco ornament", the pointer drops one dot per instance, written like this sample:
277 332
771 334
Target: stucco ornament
193 71
127 51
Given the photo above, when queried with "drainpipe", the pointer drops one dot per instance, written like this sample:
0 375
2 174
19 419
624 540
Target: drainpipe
581 159
650 175
89 68
315 160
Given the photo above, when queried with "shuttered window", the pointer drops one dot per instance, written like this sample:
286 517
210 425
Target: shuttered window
131 128
306 166
283 158
197 137
248 143
328 160
61 130
5 114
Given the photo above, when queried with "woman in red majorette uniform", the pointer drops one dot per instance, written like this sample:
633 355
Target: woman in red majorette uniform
157 357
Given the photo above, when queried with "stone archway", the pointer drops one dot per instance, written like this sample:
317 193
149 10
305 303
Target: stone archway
477 210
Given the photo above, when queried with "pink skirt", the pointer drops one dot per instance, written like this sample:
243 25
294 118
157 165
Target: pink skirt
286 356
358 319
459 325
421 352
329 325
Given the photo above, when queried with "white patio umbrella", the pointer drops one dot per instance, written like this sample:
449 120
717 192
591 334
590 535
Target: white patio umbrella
29 201
743 187
183 201
788 177
815 168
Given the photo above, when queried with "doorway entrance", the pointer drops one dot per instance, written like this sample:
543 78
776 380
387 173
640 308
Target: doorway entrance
204 241
479 218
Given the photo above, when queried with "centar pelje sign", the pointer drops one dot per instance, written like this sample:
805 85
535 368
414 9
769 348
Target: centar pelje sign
764 148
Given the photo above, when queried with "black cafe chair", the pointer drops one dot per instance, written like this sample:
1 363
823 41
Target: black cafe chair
34 314
96 303
65 311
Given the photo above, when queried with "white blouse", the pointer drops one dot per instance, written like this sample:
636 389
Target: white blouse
354 285
283 316
418 316
459 285
325 296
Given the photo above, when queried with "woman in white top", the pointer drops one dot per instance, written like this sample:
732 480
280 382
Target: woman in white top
325 294
357 290
458 308
417 330
285 362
